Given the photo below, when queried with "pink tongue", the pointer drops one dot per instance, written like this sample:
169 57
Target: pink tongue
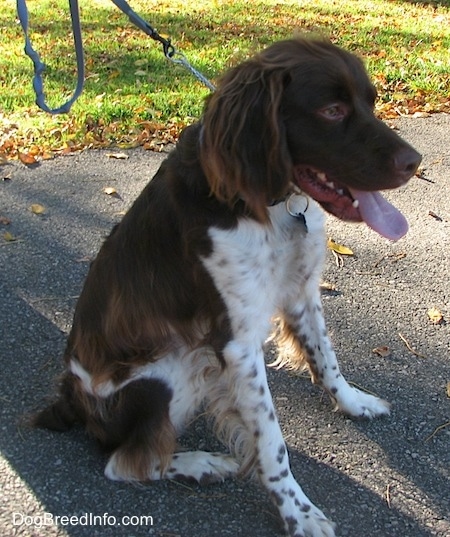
380 215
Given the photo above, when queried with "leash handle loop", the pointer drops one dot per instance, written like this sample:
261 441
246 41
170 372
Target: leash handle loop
39 66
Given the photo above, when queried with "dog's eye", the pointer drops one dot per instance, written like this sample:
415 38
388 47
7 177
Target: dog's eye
333 112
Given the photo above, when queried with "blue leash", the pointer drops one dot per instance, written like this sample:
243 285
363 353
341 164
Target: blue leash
169 51
39 67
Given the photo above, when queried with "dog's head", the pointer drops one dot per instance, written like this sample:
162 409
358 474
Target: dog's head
301 112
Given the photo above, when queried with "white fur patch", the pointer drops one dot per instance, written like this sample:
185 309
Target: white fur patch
258 270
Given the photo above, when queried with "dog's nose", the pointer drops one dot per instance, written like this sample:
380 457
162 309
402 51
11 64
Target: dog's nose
406 162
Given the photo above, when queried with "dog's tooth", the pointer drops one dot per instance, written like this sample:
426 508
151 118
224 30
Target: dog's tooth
322 177
330 184
355 204
340 191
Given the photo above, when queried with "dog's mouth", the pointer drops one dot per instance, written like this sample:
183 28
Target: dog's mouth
350 204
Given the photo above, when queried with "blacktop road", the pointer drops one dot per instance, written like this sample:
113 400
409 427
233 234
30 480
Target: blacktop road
386 478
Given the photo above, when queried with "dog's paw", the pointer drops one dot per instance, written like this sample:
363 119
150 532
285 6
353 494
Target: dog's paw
359 404
221 467
301 517
311 522
201 466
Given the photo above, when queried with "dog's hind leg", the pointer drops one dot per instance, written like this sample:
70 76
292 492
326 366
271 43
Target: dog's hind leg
168 412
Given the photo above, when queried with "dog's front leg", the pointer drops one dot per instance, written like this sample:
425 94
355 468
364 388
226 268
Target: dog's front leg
305 323
253 401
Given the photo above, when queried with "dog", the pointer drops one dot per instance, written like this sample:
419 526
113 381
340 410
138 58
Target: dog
227 236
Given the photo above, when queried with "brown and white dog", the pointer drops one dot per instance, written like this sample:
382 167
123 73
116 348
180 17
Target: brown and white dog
228 235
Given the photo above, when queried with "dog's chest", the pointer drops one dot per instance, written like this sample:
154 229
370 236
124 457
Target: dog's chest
262 263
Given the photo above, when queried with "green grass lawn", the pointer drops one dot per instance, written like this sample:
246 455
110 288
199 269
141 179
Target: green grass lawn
133 95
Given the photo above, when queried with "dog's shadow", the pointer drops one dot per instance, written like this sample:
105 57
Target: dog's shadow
335 460
64 473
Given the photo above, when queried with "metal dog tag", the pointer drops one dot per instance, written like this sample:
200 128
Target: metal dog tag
296 206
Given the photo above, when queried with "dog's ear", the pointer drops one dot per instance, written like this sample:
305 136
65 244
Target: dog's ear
244 152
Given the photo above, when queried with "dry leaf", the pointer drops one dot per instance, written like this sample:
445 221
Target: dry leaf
121 156
327 286
9 237
26 158
435 316
435 216
448 389
4 221
110 190
34 150
37 208
339 248
382 351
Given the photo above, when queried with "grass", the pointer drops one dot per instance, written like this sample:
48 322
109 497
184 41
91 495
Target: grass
133 95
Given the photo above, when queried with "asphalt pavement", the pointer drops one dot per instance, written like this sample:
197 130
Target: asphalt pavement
385 478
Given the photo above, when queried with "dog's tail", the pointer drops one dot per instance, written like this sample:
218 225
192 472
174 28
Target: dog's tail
62 414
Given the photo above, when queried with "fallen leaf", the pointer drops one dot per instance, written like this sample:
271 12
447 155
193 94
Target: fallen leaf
5 221
113 74
34 150
26 158
435 316
339 248
382 351
448 389
327 286
110 190
121 156
9 237
37 208
435 216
